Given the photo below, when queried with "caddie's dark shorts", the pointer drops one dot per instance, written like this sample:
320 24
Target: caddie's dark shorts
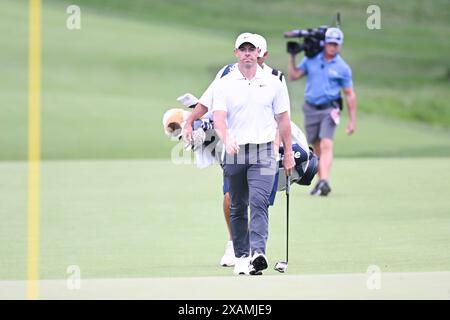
318 123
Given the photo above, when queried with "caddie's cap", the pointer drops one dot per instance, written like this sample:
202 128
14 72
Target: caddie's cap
262 44
334 35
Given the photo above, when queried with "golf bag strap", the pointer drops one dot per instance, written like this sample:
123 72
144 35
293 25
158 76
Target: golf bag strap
226 70
278 73
311 170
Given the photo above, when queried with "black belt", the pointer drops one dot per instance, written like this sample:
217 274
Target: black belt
258 144
331 104
246 148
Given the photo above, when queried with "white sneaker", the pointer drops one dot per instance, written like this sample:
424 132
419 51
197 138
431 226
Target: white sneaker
242 266
258 264
228 257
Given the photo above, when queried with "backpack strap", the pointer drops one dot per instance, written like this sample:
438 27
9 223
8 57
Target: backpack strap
278 73
227 70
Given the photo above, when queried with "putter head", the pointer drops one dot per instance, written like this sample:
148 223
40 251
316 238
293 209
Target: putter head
281 266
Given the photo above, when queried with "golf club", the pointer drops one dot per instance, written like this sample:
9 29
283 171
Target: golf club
281 266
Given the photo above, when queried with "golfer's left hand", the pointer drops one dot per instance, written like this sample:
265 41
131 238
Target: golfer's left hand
231 146
350 128
288 164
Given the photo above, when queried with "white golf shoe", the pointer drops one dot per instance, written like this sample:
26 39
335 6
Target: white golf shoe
241 266
228 258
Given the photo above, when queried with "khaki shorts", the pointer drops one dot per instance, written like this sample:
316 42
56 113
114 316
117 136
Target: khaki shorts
318 123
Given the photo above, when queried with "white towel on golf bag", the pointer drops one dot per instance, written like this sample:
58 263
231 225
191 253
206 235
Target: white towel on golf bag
298 137
204 158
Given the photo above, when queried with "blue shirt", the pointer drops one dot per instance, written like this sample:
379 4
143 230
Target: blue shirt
325 79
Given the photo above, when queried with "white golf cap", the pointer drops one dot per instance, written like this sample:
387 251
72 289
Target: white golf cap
262 44
244 38
334 35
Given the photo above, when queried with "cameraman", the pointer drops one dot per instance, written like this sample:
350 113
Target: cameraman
327 73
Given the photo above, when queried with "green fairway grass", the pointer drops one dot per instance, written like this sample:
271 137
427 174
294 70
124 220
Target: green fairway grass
113 203
105 87
148 218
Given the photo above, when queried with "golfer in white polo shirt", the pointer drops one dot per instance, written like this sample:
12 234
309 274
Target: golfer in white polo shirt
203 109
249 105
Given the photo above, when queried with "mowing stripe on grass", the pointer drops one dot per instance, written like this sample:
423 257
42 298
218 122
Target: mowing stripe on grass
34 147
401 285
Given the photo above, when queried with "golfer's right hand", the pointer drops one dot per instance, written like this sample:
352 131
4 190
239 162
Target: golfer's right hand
186 133
231 147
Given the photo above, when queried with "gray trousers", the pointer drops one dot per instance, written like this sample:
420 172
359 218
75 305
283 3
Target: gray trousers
318 123
250 176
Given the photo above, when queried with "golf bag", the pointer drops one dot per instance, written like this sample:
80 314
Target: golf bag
306 166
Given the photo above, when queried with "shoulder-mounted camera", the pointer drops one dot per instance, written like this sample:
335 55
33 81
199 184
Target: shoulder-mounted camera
313 39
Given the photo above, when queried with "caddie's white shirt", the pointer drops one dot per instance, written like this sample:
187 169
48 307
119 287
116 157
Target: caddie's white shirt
251 105
298 137
207 97
269 70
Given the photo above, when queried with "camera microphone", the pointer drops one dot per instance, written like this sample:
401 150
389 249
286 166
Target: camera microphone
298 33
291 34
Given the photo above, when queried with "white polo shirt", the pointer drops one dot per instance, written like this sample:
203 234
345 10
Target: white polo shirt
207 97
251 105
